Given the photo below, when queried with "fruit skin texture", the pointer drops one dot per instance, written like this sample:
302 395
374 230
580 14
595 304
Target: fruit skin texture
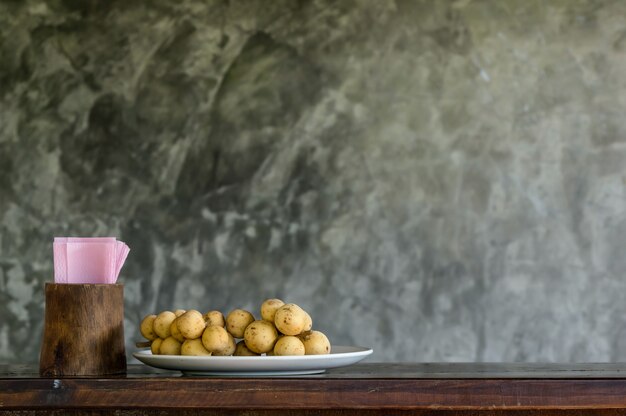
290 319
215 339
147 328
260 336
308 325
191 324
230 347
175 332
269 308
289 345
170 346
285 329
156 346
315 343
237 321
193 347
162 323
214 318
242 351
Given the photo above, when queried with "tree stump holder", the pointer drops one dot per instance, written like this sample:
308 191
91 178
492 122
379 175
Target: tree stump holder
83 330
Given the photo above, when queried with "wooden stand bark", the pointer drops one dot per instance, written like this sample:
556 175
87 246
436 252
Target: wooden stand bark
83 330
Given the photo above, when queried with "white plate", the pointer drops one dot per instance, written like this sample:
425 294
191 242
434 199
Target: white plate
256 366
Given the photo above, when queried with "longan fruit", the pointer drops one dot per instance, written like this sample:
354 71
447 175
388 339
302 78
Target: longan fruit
147 329
162 323
315 342
308 323
290 319
170 346
242 351
230 347
191 324
193 347
175 332
269 308
237 321
289 345
155 346
260 336
215 339
214 318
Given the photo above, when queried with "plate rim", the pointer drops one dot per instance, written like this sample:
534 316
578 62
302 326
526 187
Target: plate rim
146 352
276 365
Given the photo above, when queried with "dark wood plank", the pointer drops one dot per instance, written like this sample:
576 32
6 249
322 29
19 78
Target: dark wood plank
402 370
188 393
422 389
331 412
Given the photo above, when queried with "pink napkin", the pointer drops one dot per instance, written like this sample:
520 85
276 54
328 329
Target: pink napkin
88 260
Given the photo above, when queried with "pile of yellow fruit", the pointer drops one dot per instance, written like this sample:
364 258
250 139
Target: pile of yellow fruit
285 329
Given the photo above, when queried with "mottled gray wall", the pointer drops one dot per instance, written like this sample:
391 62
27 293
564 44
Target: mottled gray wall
439 180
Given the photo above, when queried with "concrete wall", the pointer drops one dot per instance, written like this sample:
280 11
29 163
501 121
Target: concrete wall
439 180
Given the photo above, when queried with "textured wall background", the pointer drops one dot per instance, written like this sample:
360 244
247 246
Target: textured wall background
439 180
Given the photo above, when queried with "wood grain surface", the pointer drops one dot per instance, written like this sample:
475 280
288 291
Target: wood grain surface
361 389
83 330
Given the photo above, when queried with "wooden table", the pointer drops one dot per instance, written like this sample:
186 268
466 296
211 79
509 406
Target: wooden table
364 389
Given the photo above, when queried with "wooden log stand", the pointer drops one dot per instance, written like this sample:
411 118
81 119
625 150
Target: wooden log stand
83 330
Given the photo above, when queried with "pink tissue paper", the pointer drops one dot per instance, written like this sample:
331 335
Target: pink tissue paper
88 260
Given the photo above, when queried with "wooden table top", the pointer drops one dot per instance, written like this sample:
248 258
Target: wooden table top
367 388
390 370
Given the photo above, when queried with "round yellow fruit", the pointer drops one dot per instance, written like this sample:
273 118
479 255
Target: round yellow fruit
214 318
290 319
269 308
315 343
237 321
193 347
242 351
260 336
230 348
289 345
308 323
191 324
215 339
155 346
175 332
147 328
162 324
170 346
